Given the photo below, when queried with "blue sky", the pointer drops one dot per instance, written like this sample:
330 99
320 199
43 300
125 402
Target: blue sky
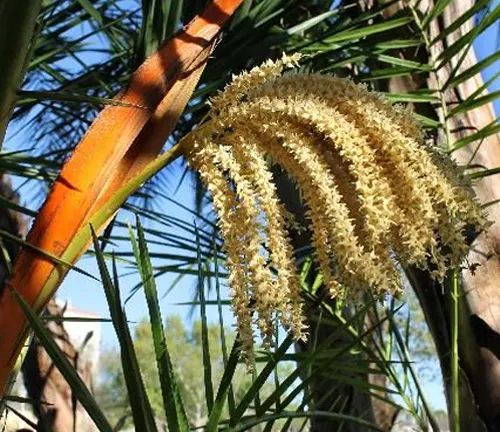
87 294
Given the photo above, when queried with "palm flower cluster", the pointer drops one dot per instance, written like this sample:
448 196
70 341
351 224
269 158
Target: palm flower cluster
375 194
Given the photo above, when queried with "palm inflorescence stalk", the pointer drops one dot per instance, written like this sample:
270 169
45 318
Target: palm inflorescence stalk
376 195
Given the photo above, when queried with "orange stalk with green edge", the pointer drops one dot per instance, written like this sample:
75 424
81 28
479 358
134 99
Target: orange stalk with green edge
117 154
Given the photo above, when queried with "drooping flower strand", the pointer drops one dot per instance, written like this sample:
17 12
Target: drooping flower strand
243 83
318 211
287 300
269 294
229 216
375 196
261 279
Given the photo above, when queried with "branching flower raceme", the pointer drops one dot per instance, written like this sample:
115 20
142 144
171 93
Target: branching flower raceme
375 194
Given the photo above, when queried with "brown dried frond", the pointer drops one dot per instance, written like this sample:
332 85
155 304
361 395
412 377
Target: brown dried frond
375 195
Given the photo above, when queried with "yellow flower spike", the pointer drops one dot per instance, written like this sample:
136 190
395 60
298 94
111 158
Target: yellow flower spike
286 293
230 215
376 197
262 281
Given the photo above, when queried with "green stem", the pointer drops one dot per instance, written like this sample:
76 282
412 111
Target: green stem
17 22
455 390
